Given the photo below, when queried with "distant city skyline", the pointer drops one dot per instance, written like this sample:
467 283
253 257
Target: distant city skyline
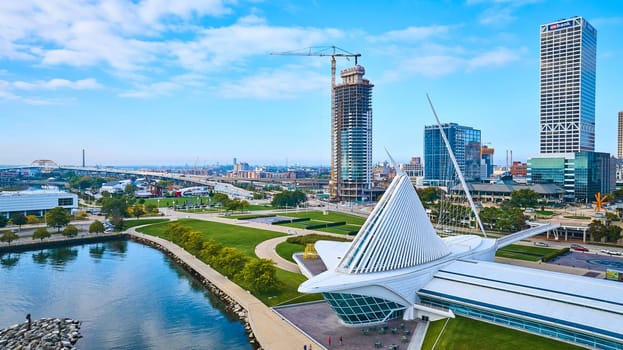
141 83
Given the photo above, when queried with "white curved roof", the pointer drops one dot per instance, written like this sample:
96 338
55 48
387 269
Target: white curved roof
397 234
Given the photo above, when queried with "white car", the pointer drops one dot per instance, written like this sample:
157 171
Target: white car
541 244
610 252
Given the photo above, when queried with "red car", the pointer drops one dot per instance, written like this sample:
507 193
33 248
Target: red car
579 248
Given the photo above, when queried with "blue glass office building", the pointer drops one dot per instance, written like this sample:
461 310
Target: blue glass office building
464 142
581 174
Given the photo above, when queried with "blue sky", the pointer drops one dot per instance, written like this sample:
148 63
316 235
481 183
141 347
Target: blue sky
185 81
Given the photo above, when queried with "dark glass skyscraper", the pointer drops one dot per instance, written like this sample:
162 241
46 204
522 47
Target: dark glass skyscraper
568 52
465 144
351 136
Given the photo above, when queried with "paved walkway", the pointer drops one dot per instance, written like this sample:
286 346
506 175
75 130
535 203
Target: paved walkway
270 330
266 250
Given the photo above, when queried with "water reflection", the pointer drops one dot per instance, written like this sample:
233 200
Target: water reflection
59 257
128 297
120 247
198 287
41 257
97 252
9 260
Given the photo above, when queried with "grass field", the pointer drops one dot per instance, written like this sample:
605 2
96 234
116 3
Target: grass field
286 250
524 252
168 201
466 334
343 229
332 216
245 239
132 223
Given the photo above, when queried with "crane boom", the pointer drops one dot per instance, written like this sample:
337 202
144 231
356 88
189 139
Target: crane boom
333 52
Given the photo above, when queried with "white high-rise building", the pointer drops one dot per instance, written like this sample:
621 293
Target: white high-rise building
568 51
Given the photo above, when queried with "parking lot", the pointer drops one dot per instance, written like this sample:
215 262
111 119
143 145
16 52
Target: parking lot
591 261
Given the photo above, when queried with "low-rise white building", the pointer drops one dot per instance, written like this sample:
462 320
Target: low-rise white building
35 202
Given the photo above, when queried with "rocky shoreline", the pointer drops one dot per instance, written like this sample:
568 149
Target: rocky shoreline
42 334
230 304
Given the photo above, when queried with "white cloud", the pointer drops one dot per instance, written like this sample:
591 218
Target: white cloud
152 90
9 90
499 12
53 84
411 34
494 58
441 61
286 83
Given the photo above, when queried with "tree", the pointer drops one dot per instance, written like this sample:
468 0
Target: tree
70 231
243 205
41 233
261 274
231 261
138 210
115 206
524 198
57 217
151 208
32 219
210 250
3 221
232 204
19 220
130 189
96 227
288 199
220 198
429 194
597 230
614 233
9 236
193 242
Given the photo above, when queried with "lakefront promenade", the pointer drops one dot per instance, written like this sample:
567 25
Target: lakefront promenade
270 329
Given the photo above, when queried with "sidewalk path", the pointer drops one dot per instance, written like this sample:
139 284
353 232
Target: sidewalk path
271 331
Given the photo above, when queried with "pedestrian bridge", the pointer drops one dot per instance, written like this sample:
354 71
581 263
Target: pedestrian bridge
518 236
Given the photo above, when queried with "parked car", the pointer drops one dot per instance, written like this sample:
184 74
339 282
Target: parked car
610 251
541 244
579 248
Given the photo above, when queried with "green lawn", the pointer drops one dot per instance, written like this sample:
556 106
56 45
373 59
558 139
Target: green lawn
545 212
243 238
464 333
576 217
343 229
132 223
524 252
332 216
286 249
168 201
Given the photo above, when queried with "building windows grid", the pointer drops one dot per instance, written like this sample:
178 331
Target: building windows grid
354 309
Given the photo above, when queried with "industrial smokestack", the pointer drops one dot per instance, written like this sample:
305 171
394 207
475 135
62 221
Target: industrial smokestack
83 158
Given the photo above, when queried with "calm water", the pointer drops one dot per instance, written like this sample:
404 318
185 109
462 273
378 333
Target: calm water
127 295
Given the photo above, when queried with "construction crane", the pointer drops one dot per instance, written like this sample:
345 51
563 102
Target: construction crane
322 51
333 52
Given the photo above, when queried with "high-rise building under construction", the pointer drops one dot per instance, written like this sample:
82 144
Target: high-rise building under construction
351 137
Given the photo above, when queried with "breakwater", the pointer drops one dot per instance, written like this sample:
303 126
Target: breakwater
42 334
230 304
